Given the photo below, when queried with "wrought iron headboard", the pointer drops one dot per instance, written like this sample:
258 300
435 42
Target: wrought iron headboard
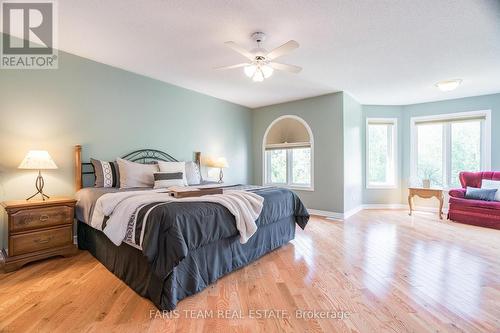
148 156
144 156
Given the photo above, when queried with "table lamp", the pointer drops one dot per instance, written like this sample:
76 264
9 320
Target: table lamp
38 160
220 163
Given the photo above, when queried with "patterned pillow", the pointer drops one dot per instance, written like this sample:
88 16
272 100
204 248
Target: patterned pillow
193 174
168 179
106 173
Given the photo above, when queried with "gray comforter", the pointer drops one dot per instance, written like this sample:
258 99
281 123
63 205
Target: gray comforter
174 229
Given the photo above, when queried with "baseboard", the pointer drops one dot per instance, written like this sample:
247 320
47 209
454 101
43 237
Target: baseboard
327 214
352 212
404 206
343 216
335 215
384 206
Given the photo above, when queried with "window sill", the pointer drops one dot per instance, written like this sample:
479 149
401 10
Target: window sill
291 187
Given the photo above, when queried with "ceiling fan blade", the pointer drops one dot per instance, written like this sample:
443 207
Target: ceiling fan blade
285 67
240 50
282 50
233 66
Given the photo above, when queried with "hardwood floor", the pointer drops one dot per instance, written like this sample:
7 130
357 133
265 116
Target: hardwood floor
387 271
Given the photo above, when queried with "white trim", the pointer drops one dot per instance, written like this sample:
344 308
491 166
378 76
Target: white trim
453 116
295 187
335 215
327 214
288 145
264 159
447 117
402 207
343 216
394 152
352 212
384 206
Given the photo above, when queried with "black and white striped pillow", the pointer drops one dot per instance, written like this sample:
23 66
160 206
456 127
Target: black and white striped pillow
168 179
106 173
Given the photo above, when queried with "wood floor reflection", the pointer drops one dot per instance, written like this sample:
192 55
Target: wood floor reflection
386 271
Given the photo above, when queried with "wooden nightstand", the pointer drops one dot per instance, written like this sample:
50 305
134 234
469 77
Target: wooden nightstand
38 230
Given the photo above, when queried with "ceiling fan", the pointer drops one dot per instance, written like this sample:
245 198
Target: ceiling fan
262 65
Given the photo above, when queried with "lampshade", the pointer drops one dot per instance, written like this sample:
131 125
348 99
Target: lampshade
267 71
219 162
250 70
258 72
38 160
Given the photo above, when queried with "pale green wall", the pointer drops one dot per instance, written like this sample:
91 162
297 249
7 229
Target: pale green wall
324 114
110 112
404 114
353 148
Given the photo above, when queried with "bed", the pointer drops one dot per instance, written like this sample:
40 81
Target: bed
189 244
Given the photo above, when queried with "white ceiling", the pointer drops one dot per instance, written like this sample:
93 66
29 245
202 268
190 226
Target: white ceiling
381 52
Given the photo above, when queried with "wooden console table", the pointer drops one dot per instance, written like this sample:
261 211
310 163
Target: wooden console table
426 193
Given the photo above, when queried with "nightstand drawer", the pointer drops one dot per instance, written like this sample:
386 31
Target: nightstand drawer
41 217
40 240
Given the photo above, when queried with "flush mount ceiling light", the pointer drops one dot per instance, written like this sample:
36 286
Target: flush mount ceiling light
448 85
261 66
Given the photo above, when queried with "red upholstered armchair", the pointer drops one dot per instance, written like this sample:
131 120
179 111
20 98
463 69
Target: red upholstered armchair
475 212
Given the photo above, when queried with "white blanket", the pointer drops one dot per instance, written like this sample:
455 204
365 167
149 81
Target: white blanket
120 208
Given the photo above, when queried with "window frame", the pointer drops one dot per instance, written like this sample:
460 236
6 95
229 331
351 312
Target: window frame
447 119
393 141
288 147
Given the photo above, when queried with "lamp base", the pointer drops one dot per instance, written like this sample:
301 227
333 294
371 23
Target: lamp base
39 183
221 176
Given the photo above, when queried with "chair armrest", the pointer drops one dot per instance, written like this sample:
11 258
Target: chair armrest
457 193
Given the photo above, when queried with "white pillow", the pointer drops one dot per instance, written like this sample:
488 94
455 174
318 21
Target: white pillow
168 179
136 174
174 167
193 174
492 184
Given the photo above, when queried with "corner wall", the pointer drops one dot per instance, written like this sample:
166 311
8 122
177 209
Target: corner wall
324 114
353 154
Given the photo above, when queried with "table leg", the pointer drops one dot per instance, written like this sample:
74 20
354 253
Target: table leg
410 203
441 201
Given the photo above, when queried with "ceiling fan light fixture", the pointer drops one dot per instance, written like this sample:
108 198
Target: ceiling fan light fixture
267 71
260 63
448 85
250 70
258 77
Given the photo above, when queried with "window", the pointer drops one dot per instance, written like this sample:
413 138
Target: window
381 147
288 154
443 146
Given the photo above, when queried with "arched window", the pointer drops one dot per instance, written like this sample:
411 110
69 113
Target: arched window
288 154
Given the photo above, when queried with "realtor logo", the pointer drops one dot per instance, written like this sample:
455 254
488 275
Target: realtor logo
29 35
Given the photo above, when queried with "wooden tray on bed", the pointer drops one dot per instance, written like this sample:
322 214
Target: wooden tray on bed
196 192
